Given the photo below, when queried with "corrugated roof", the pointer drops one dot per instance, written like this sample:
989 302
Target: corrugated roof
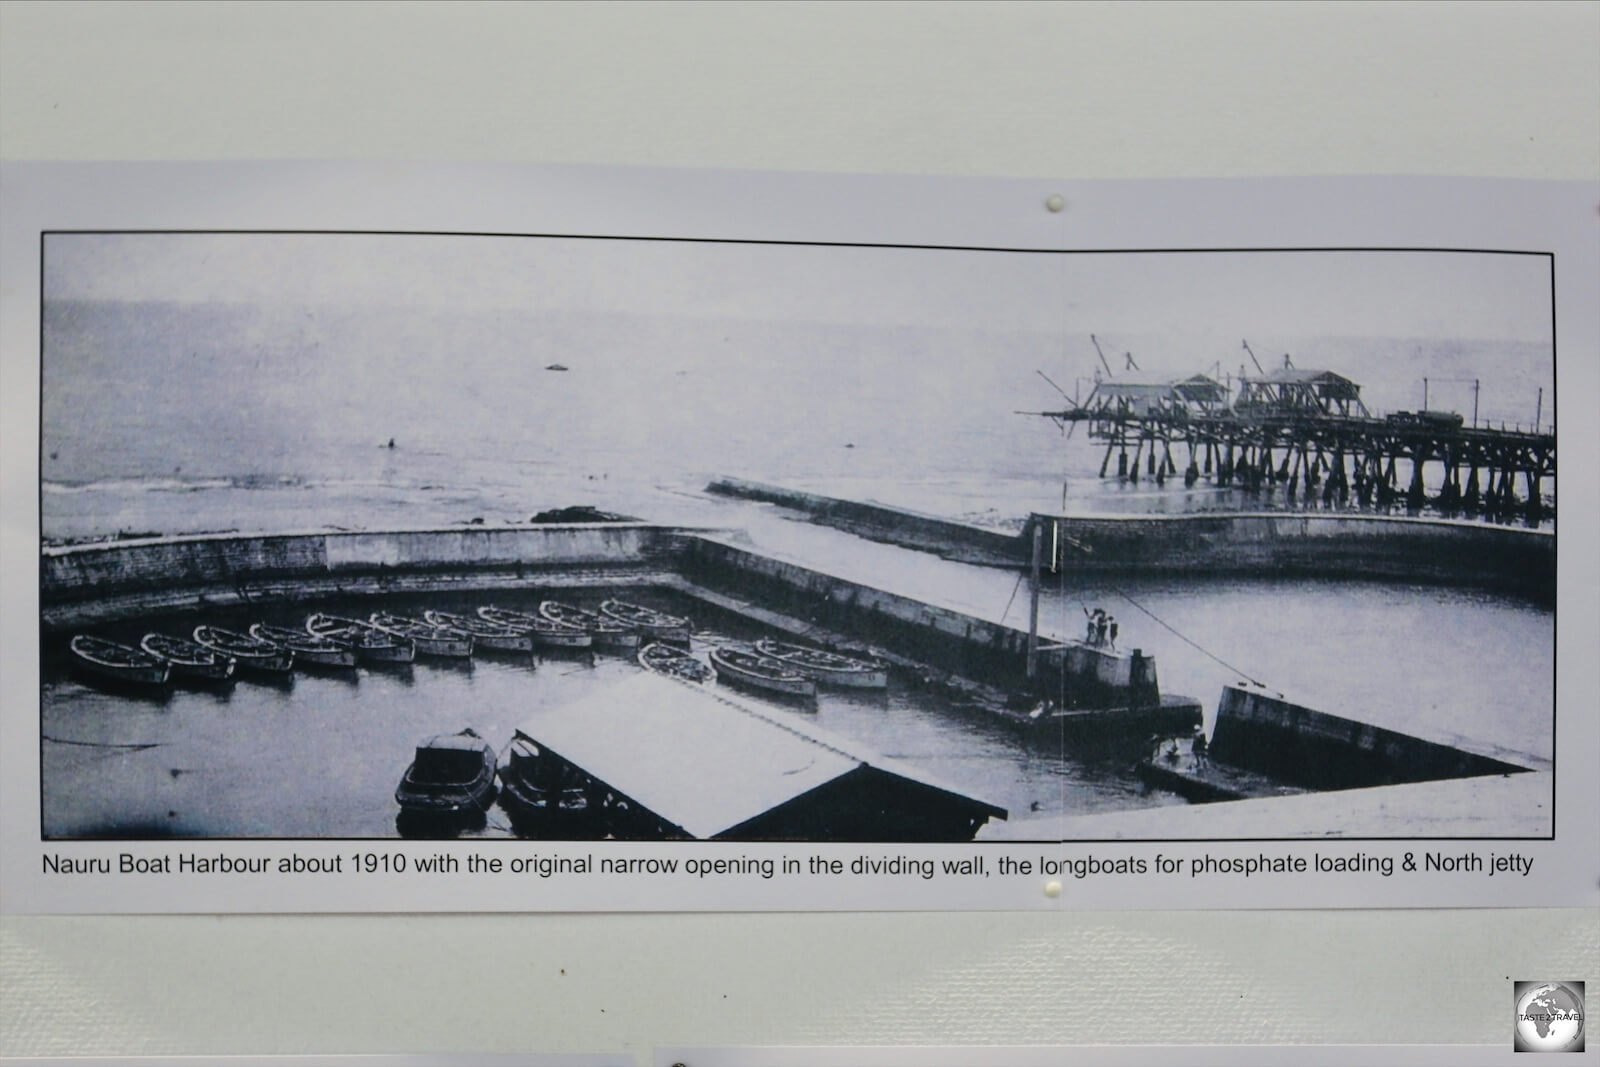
696 757
1296 376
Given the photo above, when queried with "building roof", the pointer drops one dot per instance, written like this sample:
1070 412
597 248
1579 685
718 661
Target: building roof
1297 376
699 758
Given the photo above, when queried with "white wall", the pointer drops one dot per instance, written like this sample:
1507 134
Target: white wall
1064 91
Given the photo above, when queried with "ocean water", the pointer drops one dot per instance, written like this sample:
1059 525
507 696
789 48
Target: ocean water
176 417
170 417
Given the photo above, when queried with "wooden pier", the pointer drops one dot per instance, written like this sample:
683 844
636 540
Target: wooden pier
1308 433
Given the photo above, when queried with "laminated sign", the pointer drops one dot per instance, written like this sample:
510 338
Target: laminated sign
527 539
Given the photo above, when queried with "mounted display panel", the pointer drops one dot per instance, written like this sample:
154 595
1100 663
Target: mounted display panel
440 538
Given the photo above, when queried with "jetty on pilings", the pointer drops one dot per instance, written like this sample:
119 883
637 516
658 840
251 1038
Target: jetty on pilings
1308 432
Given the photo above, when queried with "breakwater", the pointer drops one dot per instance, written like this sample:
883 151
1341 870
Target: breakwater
962 644
1265 733
1286 544
877 522
105 581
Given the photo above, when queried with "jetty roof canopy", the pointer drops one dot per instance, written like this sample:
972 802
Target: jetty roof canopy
716 766
1291 390
1324 379
1145 394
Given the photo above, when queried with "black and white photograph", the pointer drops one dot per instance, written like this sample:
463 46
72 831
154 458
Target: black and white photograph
600 537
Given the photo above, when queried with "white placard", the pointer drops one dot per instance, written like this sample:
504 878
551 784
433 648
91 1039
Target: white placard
221 351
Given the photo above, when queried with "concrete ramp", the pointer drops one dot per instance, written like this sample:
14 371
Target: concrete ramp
1508 806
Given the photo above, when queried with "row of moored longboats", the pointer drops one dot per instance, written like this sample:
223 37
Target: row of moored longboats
331 642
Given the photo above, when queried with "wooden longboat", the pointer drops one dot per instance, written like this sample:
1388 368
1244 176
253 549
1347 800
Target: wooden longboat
546 798
606 632
546 632
430 640
450 775
308 651
485 634
249 652
745 666
370 644
188 659
830 668
114 662
648 621
676 663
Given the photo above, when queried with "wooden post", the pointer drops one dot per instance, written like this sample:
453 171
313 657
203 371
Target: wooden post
1033 604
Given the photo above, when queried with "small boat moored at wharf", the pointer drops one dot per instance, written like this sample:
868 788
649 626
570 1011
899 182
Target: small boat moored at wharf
451 775
248 652
676 663
430 640
308 651
829 668
119 663
485 634
748 667
648 621
606 632
545 797
188 659
544 631
370 644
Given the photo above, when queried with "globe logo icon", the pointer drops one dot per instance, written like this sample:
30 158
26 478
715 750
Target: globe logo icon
1549 1017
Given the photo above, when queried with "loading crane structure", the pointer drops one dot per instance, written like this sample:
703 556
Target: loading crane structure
1309 433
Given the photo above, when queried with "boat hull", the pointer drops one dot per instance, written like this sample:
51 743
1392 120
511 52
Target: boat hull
543 632
787 684
276 660
604 633
429 640
419 797
309 652
368 642
485 635
662 658
151 673
653 625
826 667
211 667
556 815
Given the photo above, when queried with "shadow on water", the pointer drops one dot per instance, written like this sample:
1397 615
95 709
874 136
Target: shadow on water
350 676
124 831
451 664
282 681
425 826
403 673
153 695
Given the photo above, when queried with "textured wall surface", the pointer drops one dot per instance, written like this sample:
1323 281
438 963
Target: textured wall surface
1062 90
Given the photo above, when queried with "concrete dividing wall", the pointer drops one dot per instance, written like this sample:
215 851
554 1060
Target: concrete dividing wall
964 644
116 579
1443 551
1263 732
910 529
1362 546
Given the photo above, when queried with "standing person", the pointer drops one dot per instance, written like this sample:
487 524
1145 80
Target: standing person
1088 637
1111 621
1100 631
1198 747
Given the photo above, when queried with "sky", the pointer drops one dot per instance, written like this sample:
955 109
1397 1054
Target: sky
1378 294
